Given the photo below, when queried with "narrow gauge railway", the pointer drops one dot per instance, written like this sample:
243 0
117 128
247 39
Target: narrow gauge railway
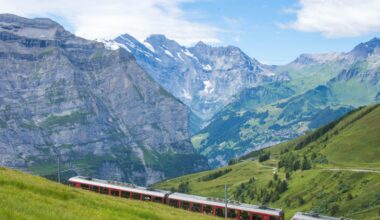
210 206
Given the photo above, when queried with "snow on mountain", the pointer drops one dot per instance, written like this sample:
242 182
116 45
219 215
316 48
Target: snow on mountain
205 78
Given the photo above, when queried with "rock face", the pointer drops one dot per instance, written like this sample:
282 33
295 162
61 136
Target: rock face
95 107
204 77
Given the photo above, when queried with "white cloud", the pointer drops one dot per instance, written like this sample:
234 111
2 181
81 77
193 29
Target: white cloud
337 18
107 19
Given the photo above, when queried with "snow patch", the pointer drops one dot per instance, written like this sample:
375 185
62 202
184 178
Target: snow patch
149 46
168 53
268 73
109 44
180 57
112 45
186 94
128 41
207 67
208 87
188 53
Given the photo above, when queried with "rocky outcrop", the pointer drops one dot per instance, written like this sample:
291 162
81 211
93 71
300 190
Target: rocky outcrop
95 108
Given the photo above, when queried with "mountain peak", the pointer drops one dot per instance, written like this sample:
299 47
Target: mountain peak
201 44
364 49
127 39
37 28
42 23
157 38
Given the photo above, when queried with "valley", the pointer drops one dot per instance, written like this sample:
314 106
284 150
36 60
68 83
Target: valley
333 170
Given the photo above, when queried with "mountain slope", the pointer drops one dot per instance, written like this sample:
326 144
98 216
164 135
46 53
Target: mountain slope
96 109
323 88
241 127
24 196
334 170
205 78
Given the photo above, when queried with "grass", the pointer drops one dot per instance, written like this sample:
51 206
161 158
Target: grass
353 142
23 196
215 188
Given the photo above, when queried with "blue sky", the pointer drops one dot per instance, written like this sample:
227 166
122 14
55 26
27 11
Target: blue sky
272 31
253 25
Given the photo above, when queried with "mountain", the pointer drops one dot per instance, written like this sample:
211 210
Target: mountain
333 170
94 108
38 198
203 77
323 87
241 128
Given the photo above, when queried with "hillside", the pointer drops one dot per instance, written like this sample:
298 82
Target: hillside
23 196
334 170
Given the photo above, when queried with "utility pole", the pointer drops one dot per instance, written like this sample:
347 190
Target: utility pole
225 200
59 169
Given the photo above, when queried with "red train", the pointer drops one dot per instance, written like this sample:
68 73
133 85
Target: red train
210 206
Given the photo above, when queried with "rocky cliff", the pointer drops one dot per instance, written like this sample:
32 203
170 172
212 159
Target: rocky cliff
94 108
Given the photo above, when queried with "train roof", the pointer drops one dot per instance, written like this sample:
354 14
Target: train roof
312 216
230 204
119 186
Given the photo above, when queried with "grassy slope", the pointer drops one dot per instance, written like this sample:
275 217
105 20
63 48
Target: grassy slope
23 196
353 143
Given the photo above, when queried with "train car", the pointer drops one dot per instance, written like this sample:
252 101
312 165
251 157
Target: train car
312 216
210 206
119 189
214 206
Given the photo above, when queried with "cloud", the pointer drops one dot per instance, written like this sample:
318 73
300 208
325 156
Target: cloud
107 19
233 22
337 18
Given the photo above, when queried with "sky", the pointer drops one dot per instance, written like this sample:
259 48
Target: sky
271 31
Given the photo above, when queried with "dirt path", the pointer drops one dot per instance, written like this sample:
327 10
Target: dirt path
353 170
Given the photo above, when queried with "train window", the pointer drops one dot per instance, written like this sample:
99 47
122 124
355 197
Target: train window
256 217
244 215
207 209
231 213
219 212
94 188
147 197
196 207
136 195
103 190
126 194
185 205
173 203
84 186
272 218
114 192
157 199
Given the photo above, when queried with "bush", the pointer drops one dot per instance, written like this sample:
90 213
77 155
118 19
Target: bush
233 161
349 196
263 157
184 187
215 175
301 201
334 209
305 164
287 175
